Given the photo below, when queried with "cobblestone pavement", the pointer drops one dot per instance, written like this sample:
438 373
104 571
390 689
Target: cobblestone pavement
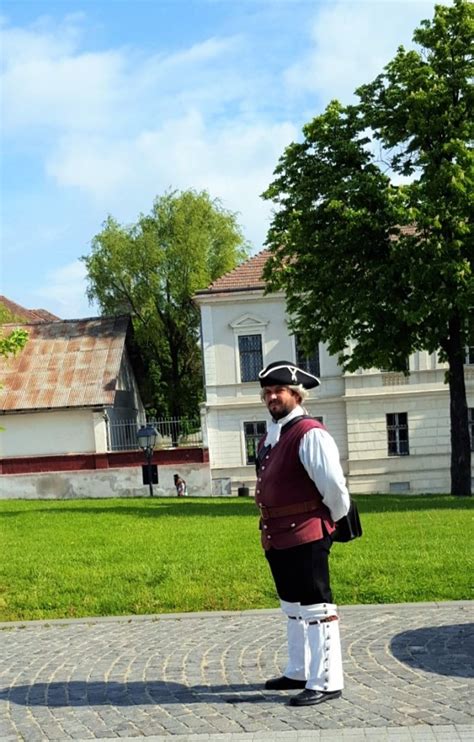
408 672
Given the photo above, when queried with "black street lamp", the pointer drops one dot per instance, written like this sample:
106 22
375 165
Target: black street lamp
147 436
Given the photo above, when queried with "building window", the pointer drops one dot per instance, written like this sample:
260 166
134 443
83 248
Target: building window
251 359
397 434
470 355
470 413
397 487
309 363
253 431
404 369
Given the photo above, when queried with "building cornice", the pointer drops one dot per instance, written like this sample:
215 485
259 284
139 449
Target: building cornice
213 297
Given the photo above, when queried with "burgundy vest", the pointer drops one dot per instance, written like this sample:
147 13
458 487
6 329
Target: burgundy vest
282 481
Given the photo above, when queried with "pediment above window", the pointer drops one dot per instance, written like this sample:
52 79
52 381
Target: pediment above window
247 321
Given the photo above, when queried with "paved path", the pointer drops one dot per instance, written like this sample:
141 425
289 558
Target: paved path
408 671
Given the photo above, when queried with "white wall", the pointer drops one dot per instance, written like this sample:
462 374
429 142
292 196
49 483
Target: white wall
103 483
229 402
227 442
51 432
426 468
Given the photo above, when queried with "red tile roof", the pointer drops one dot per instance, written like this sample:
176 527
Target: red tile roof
30 315
66 363
246 277
408 230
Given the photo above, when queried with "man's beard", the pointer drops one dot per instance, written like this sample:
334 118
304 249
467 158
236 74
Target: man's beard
281 412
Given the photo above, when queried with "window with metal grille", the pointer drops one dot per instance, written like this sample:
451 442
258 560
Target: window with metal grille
253 431
309 363
251 359
397 434
470 413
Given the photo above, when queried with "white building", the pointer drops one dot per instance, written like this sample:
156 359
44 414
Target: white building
392 430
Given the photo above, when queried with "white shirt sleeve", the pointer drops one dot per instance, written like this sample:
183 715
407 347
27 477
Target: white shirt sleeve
320 457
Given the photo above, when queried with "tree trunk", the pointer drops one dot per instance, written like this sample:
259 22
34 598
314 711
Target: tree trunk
460 441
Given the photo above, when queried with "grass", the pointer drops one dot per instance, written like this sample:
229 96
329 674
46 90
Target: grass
139 556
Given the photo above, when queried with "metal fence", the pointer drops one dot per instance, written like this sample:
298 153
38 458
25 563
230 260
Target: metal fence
173 432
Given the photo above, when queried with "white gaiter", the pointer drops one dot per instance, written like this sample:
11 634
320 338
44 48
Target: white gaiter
323 656
295 668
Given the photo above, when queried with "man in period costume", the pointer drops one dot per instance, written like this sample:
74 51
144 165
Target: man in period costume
301 492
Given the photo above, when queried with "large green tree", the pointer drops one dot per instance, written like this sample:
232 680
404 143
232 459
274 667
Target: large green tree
379 270
151 270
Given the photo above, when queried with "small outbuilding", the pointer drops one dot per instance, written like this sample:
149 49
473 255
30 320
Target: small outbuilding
72 379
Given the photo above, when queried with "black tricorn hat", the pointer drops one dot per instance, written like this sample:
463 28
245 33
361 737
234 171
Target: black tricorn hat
285 373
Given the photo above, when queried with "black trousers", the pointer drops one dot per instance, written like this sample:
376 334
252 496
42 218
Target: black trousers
301 574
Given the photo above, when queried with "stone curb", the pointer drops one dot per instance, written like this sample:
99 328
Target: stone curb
421 733
345 609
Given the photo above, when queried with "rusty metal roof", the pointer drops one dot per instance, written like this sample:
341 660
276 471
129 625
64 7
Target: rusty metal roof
65 363
30 315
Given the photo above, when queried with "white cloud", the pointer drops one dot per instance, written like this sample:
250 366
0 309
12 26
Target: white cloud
121 127
112 128
93 164
351 43
48 82
42 39
64 292
207 51
233 161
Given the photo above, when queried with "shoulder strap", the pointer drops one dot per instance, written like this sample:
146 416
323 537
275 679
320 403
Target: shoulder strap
292 422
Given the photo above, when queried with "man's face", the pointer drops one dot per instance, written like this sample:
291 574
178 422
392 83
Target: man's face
280 400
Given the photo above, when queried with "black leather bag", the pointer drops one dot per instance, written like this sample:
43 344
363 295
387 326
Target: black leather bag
349 527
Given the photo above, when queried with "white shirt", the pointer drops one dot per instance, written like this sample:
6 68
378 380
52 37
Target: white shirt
320 457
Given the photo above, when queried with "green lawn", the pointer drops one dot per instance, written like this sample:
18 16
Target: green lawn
137 556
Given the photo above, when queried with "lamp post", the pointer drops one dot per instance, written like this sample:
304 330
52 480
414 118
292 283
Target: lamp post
146 440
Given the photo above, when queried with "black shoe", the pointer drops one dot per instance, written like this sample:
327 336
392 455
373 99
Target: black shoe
284 683
311 697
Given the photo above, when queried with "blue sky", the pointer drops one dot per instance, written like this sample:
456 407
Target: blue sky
108 104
